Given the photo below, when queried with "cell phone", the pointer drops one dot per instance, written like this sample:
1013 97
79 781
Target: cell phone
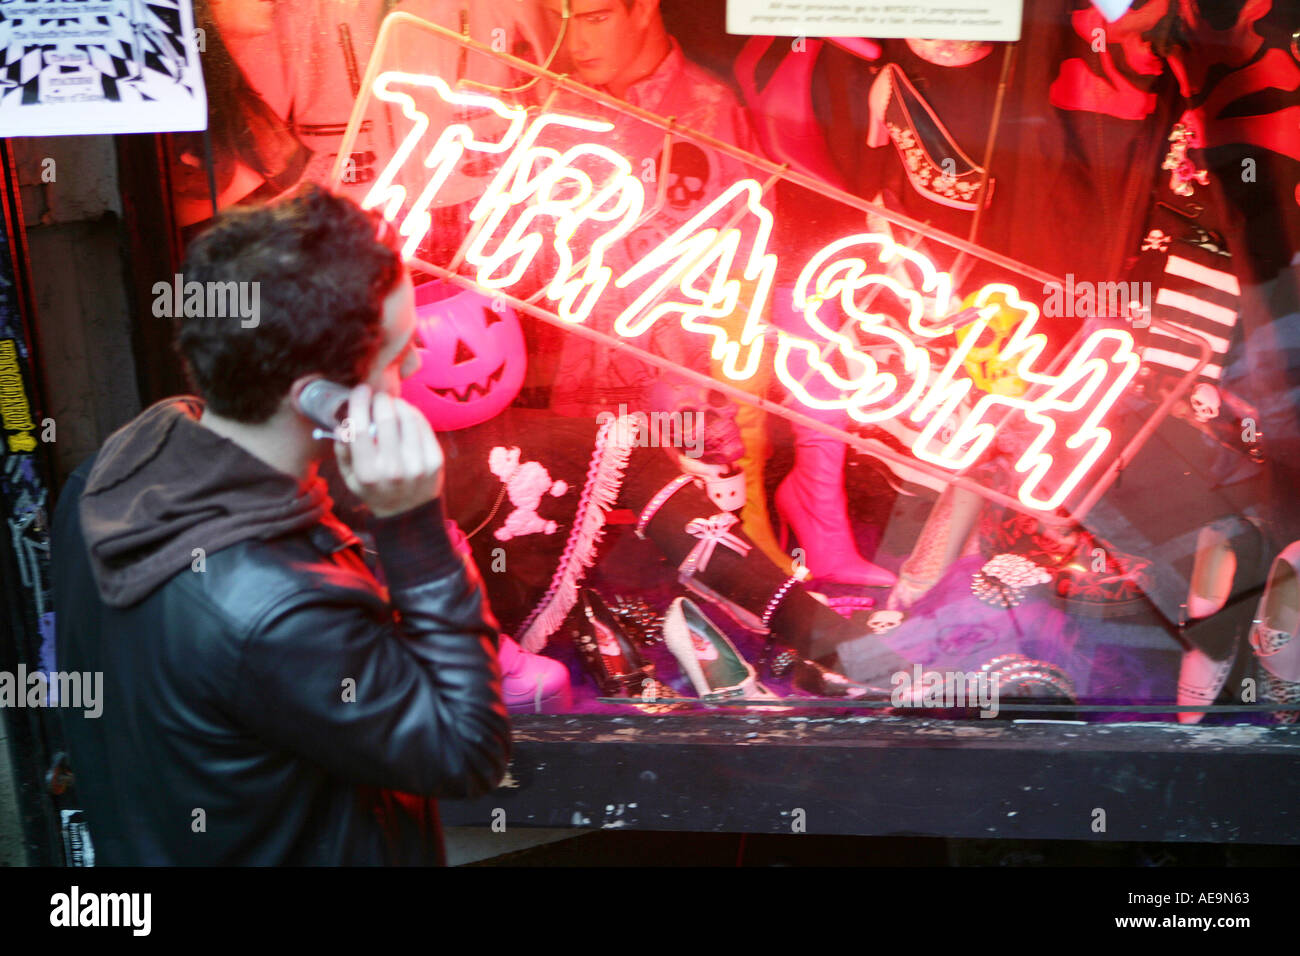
326 404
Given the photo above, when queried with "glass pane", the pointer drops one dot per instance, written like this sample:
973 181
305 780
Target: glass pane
976 353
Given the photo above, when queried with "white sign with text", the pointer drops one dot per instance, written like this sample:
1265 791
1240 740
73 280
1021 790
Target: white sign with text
99 66
920 19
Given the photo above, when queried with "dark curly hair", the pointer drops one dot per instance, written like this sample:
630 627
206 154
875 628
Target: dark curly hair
323 267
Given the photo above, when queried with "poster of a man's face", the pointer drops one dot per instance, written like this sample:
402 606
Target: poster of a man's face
282 79
249 152
606 40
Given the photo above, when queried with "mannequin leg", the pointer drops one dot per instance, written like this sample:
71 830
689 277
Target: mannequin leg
754 516
749 581
812 501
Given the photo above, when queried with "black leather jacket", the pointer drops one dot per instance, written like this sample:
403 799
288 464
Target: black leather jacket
279 706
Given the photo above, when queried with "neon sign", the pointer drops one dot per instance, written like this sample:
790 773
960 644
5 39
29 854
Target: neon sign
561 196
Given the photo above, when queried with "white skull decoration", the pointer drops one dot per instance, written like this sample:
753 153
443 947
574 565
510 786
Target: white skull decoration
882 621
1205 402
708 422
1156 240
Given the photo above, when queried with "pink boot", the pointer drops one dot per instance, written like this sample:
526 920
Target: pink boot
811 502
531 683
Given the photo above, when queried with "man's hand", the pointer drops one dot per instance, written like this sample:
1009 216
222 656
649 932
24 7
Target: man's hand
399 466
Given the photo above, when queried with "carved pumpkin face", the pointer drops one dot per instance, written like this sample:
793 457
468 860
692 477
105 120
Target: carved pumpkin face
472 358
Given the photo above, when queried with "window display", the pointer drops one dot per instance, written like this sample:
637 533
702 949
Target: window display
942 376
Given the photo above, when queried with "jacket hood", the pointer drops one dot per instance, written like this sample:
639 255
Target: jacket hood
164 485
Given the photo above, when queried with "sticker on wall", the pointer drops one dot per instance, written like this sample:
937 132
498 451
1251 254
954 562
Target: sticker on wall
99 66
77 848
929 19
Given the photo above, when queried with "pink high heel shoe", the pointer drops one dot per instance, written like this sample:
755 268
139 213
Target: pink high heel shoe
811 502
782 110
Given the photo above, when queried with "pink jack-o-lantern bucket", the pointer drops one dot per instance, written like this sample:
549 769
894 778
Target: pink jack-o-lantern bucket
472 357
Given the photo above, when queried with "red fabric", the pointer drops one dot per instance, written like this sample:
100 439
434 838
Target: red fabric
1079 87
1204 47
1278 131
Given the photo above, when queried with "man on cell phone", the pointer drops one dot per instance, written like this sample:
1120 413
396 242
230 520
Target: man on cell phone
274 694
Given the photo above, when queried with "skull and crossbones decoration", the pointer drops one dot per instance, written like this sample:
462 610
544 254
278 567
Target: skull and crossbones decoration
688 175
1156 240
1205 402
882 621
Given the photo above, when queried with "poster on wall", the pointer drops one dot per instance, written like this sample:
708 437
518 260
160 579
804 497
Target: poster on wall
24 491
99 66
934 20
